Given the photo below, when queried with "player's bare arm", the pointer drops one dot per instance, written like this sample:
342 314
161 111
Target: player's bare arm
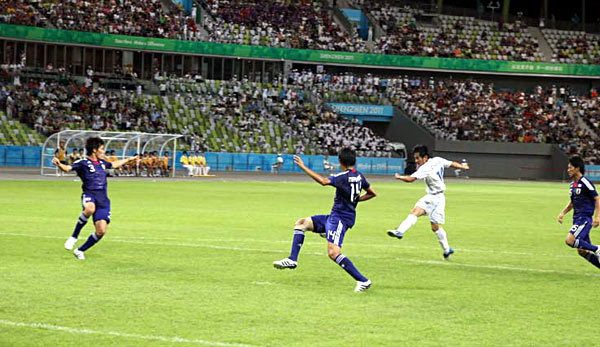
596 220
568 208
61 166
315 176
403 178
370 194
117 164
459 166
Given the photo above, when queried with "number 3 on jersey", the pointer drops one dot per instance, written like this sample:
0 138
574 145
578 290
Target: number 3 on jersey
355 193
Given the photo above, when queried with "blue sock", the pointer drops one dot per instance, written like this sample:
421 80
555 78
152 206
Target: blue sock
81 222
297 242
579 243
92 239
592 259
347 265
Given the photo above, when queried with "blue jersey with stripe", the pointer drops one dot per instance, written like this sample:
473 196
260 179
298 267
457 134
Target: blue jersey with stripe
583 194
348 185
92 174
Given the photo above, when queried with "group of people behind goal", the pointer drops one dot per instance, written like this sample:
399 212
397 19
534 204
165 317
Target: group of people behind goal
195 163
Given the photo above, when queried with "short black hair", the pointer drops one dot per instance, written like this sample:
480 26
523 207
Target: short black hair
93 143
347 157
166 153
422 150
184 153
578 163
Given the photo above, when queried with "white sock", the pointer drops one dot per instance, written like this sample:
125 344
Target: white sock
443 239
410 220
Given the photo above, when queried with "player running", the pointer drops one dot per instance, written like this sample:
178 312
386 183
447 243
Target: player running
348 185
431 170
585 203
94 200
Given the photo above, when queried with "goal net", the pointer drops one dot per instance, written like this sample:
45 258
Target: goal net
125 144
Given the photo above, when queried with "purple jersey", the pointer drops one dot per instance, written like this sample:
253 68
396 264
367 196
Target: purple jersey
348 185
583 195
92 174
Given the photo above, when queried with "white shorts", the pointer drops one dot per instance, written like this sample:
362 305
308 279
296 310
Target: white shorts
434 206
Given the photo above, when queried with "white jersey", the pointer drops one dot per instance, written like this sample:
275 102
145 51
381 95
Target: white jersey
432 172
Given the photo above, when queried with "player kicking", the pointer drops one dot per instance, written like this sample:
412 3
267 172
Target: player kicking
585 203
348 185
431 170
94 200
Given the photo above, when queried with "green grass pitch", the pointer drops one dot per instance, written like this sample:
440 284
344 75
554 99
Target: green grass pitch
190 263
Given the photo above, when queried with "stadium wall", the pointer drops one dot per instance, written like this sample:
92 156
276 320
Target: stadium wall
535 161
30 156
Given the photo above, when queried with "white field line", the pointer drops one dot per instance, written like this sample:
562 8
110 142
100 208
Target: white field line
262 250
70 330
392 243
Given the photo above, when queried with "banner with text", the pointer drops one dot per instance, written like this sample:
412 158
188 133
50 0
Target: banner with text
362 110
18 32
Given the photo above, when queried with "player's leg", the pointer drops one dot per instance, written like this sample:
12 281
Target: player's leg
589 256
89 208
442 237
101 221
336 231
206 170
437 217
419 210
579 237
300 227
92 239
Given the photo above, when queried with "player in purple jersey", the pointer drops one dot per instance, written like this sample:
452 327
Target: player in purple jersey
348 185
585 203
94 200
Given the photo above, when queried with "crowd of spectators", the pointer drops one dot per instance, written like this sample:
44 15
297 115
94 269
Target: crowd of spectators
472 110
251 111
297 24
309 25
573 47
21 12
288 103
50 106
453 37
587 107
125 17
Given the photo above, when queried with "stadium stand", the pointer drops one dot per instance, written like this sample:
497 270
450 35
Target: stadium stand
472 110
310 25
129 17
295 25
289 115
225 116
453 36
306 24
573 47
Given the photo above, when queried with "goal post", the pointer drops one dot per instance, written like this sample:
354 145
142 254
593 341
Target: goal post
125 144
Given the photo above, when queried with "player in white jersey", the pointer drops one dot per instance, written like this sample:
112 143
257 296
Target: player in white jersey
431 170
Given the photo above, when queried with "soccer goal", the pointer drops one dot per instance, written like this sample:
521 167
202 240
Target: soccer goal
125 144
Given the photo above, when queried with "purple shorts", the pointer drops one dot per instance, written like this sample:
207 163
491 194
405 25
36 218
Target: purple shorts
333 227
102 203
